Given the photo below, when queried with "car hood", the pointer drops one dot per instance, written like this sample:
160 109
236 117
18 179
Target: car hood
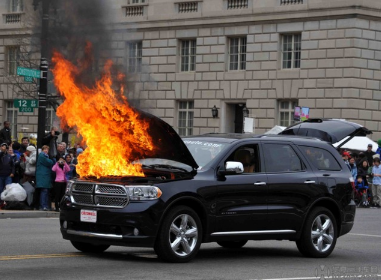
168 144
330 130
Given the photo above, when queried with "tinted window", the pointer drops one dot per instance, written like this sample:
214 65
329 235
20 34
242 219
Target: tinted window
281 158
320 158
249 157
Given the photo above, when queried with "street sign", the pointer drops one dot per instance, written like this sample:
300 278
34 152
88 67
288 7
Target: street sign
25 105
34 73
28 79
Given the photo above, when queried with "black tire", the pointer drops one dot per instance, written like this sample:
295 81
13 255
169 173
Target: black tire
232 244
318 241
89 248
179 236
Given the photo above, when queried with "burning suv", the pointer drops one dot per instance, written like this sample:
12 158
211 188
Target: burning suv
224 188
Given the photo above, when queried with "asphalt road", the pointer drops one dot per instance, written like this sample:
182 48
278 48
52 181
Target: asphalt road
34 249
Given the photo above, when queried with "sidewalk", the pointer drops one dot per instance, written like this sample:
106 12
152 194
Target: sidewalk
17 214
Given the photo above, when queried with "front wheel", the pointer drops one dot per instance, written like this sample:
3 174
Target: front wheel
88 247
179 237
319 234
232 244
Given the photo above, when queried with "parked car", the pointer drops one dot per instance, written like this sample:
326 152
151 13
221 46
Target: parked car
224 188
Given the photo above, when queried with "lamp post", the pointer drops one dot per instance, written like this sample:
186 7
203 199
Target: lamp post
43 90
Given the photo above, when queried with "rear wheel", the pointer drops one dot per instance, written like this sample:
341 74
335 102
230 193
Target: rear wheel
232 244
319 234
89 248
179 237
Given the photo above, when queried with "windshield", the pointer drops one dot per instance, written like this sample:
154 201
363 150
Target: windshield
204 151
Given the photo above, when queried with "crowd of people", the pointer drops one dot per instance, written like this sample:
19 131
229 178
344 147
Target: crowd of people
366 170
48 172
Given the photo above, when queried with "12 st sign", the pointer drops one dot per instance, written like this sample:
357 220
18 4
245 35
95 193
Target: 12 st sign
25 105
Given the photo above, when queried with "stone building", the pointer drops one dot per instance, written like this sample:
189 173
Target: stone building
254 57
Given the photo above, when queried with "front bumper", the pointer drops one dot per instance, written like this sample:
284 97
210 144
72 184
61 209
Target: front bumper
113 226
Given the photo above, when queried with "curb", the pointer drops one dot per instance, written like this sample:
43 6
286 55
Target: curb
9 214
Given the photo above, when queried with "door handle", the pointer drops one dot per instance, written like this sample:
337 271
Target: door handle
260 183
326 175
309 182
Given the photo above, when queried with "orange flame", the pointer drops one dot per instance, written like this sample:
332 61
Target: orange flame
112 130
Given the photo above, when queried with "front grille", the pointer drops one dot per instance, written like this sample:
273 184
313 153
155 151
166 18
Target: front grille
99 195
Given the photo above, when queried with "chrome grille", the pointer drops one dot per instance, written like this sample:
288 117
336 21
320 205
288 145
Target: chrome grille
111 201
88 188
110 189
99 195
83 199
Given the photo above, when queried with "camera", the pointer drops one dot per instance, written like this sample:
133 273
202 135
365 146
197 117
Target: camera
56 133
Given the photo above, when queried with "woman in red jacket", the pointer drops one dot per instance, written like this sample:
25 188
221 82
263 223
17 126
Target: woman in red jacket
61 168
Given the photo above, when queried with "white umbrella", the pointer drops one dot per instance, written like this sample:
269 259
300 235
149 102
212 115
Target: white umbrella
357 143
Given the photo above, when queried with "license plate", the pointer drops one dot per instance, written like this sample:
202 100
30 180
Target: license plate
88 216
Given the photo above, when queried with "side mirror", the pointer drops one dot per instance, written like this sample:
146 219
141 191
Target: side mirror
231 168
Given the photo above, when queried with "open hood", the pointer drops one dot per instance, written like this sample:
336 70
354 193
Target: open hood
330 130
168 144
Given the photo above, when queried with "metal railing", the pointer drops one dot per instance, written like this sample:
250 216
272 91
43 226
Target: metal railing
12 18
291 2
134 11
188 7
238 4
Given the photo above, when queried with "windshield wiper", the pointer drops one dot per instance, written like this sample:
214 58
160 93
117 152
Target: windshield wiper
166 166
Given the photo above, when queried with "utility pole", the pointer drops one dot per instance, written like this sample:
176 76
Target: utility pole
44 67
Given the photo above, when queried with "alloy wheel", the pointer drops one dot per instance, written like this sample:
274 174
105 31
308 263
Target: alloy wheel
322 233
183 235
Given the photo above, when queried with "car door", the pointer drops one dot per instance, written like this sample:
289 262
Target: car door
291 185
241 198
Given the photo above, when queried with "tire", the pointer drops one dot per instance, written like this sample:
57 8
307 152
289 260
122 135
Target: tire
179 236
319 234
232 244
89 248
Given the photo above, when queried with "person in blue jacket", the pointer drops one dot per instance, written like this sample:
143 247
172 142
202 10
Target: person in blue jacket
44 177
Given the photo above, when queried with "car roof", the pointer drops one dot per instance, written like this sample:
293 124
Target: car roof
232 137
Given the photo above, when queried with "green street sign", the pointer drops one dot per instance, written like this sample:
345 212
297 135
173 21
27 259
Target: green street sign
28 79
25 105
34 73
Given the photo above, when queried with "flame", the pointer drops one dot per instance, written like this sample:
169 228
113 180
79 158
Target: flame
111 129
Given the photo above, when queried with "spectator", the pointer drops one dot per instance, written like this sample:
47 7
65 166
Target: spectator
369 154
362 171
7 168
61 150
72 173
361 192
345 155
30 164
353 167
5 134
50 140
24 144
43 176
19 172
64 147
61 168
376 186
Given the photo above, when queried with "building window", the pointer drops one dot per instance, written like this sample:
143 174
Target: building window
286 112
134 57
13 54
291 2
186 118
237 53
136 1
188 55
16 6
291 45
11 116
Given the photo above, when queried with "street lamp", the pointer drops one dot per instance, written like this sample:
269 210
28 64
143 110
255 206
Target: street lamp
214 112
245 111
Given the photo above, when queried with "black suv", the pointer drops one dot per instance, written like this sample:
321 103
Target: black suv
224 188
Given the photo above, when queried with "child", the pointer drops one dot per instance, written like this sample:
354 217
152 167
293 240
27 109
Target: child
362 191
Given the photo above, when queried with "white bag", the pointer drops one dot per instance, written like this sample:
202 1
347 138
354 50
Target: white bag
13 192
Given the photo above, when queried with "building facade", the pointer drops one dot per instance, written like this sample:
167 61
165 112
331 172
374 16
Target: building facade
259 58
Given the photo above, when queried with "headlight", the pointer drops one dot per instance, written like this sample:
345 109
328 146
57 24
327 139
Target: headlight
143 192
68 187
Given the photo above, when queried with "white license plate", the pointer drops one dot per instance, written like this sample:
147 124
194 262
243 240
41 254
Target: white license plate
88 216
